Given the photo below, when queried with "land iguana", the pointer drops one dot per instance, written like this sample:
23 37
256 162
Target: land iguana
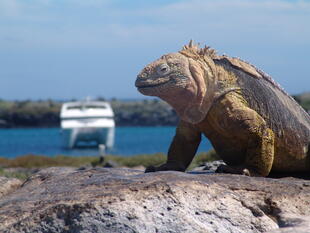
252 123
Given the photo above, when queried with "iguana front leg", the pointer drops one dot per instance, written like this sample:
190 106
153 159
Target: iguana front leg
243 124
182 149
259 156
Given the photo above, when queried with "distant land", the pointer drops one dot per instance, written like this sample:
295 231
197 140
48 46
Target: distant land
150 112
45 113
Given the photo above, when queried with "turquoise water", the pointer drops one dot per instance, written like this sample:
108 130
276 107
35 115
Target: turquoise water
128 141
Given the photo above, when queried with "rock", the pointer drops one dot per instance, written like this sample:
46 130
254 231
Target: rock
3 124
301 225
21 170
127 200
98 162
140 168
110 164
209 166
212 166
8 185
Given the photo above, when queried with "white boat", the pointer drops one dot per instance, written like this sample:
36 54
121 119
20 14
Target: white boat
87 123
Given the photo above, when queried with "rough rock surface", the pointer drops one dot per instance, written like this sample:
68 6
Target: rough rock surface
127 200
8 185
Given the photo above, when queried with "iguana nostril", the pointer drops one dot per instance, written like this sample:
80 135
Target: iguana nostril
142 76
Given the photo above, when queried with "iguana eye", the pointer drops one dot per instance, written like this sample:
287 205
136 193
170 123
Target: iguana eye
163 69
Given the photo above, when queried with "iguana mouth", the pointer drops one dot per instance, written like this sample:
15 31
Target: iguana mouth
147 85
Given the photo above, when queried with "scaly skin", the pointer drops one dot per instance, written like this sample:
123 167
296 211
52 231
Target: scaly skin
253 125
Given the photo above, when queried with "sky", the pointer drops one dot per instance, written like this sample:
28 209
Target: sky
64 49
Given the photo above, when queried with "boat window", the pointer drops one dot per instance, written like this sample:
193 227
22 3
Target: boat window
87 107
95 106
74 107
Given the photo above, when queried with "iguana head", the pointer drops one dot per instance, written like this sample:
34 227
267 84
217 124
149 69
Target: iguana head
183 79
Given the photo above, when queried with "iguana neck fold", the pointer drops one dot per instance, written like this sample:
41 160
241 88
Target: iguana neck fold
211 82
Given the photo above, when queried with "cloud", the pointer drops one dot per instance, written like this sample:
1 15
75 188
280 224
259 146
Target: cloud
96 23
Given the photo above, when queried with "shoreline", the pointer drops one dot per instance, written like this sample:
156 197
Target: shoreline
23 166
144 112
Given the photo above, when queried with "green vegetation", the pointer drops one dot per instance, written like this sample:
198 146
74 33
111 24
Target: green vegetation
304 100
22 175
152 112
24 164
30 113
40 161
143 113
201 158
138 160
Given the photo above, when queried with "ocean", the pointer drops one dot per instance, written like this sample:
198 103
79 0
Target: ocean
129 141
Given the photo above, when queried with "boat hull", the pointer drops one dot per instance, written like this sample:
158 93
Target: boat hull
88 136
